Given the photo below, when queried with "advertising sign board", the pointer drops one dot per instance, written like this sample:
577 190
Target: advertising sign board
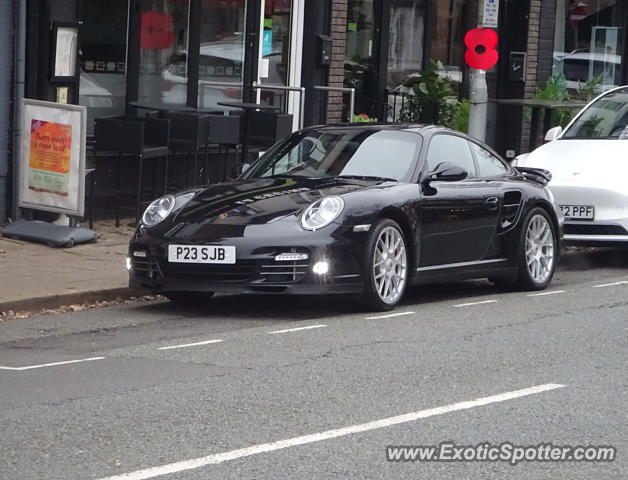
52 160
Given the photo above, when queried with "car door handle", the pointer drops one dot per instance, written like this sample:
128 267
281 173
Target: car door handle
491 203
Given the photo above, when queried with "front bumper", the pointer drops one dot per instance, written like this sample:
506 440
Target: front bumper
610 225
255 270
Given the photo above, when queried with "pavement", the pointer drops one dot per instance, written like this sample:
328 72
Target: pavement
34 276
263 387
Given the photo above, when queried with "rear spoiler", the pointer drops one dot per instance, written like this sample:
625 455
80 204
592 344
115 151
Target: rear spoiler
535 174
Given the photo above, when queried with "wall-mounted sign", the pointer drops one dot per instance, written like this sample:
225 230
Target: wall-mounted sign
64 52
490 17
517 66
481 53
267 42
52 160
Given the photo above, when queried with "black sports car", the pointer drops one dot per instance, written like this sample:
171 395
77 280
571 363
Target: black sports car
353 210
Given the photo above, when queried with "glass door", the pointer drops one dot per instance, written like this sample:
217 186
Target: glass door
359 67
221 59
103 38
163 70
280 53
405 42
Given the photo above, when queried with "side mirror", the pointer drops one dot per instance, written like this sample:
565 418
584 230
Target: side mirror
446 172
553 133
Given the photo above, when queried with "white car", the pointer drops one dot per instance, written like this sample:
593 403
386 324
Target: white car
589 166
579 67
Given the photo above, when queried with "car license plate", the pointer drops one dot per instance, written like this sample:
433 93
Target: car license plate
201 254
578 212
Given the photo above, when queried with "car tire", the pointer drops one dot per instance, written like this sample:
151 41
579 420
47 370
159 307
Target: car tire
385 266
537 253
188 298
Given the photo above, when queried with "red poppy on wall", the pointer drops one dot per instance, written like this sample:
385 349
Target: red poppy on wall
156 32
481 53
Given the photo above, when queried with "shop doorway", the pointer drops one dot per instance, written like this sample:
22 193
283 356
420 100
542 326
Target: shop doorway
385 46
280 53
103 42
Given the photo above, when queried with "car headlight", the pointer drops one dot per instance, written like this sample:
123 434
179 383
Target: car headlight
158 210
321 213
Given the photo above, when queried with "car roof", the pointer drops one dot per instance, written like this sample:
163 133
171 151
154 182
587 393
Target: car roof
426 131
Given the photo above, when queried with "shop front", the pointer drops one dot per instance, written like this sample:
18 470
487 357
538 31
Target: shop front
388 42
172 52
590 42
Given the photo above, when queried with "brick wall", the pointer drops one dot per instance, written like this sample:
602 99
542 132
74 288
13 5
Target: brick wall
539 55
532 50
546 41
336 69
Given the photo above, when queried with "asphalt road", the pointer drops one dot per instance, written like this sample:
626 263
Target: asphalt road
285 388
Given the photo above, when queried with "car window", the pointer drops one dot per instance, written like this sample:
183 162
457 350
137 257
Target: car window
341 152
452 149
606 118
488 164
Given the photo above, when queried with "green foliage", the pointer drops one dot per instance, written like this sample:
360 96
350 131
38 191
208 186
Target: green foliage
363 118
589 89
431 91
460 118
556 89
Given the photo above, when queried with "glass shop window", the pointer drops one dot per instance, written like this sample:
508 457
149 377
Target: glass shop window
102 78
589 42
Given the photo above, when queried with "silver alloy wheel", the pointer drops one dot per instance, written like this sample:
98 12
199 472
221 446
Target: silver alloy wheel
539 248
390 265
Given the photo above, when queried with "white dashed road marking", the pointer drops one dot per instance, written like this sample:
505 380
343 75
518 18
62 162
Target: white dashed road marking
611 284
197 344
329 434
544 294
474 303
390 315
298 329
44 365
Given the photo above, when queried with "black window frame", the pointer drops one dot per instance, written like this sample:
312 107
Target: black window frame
426 169
507 166
251 49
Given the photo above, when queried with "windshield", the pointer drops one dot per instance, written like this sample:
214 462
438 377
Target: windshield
370 153
606 118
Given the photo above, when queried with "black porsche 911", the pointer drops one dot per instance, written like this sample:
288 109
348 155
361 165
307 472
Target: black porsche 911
362 210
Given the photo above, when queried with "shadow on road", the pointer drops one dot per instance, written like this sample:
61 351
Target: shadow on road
588 258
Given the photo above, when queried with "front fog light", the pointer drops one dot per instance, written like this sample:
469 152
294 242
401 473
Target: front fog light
128 264
321 268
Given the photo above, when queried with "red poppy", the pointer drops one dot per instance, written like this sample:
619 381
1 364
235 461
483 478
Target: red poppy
481 53
156 32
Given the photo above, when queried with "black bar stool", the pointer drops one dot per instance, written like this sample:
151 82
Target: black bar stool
188 133
224 131
135 138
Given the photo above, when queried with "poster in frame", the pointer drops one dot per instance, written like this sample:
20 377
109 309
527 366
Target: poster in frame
52 157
